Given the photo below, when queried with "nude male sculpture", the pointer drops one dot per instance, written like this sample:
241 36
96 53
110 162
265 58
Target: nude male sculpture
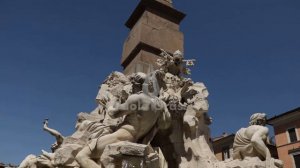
141 112
252 141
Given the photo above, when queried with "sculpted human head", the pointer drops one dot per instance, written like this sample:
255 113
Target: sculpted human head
178 57
137 80
258 119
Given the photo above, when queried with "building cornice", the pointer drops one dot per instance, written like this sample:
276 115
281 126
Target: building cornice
285 117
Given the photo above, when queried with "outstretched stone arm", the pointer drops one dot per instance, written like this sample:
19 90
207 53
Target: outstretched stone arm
56 134
258 143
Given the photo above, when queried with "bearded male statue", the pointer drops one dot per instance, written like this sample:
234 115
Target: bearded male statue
252 141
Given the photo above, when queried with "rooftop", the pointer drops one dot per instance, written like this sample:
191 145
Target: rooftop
223 136
288 113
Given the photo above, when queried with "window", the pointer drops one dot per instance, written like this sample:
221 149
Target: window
297 160
292 135
225 153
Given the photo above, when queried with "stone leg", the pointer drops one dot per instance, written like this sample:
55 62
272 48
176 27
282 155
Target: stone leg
95 149
84 158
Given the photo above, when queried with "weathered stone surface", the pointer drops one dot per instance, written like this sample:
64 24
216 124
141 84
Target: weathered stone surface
66 156
152 28
127 148
143 62
131 155
29 162
251 162
156 32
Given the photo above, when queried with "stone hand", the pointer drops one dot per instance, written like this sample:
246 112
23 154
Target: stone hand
45 123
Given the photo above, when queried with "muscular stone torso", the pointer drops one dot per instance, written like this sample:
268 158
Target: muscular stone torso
142 118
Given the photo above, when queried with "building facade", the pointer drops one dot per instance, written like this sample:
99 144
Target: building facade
223 146
287 136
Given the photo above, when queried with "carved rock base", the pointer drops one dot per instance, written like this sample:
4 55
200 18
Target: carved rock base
127 154
253 162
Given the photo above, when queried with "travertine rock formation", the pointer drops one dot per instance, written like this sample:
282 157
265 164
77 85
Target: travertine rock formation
127 154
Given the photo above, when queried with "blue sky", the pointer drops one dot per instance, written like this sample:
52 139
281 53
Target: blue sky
54 54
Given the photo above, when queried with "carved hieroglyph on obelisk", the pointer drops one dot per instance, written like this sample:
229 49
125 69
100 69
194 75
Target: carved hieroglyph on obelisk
154 25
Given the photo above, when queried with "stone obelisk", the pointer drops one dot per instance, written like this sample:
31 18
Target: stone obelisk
154 25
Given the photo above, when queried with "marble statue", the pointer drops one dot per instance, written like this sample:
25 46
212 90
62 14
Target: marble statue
65 149
142 113
174 64
154 120
29 162
196 132
252 141
59 138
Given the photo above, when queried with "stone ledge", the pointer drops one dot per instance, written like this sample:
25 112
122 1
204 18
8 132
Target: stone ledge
248 162
129 154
